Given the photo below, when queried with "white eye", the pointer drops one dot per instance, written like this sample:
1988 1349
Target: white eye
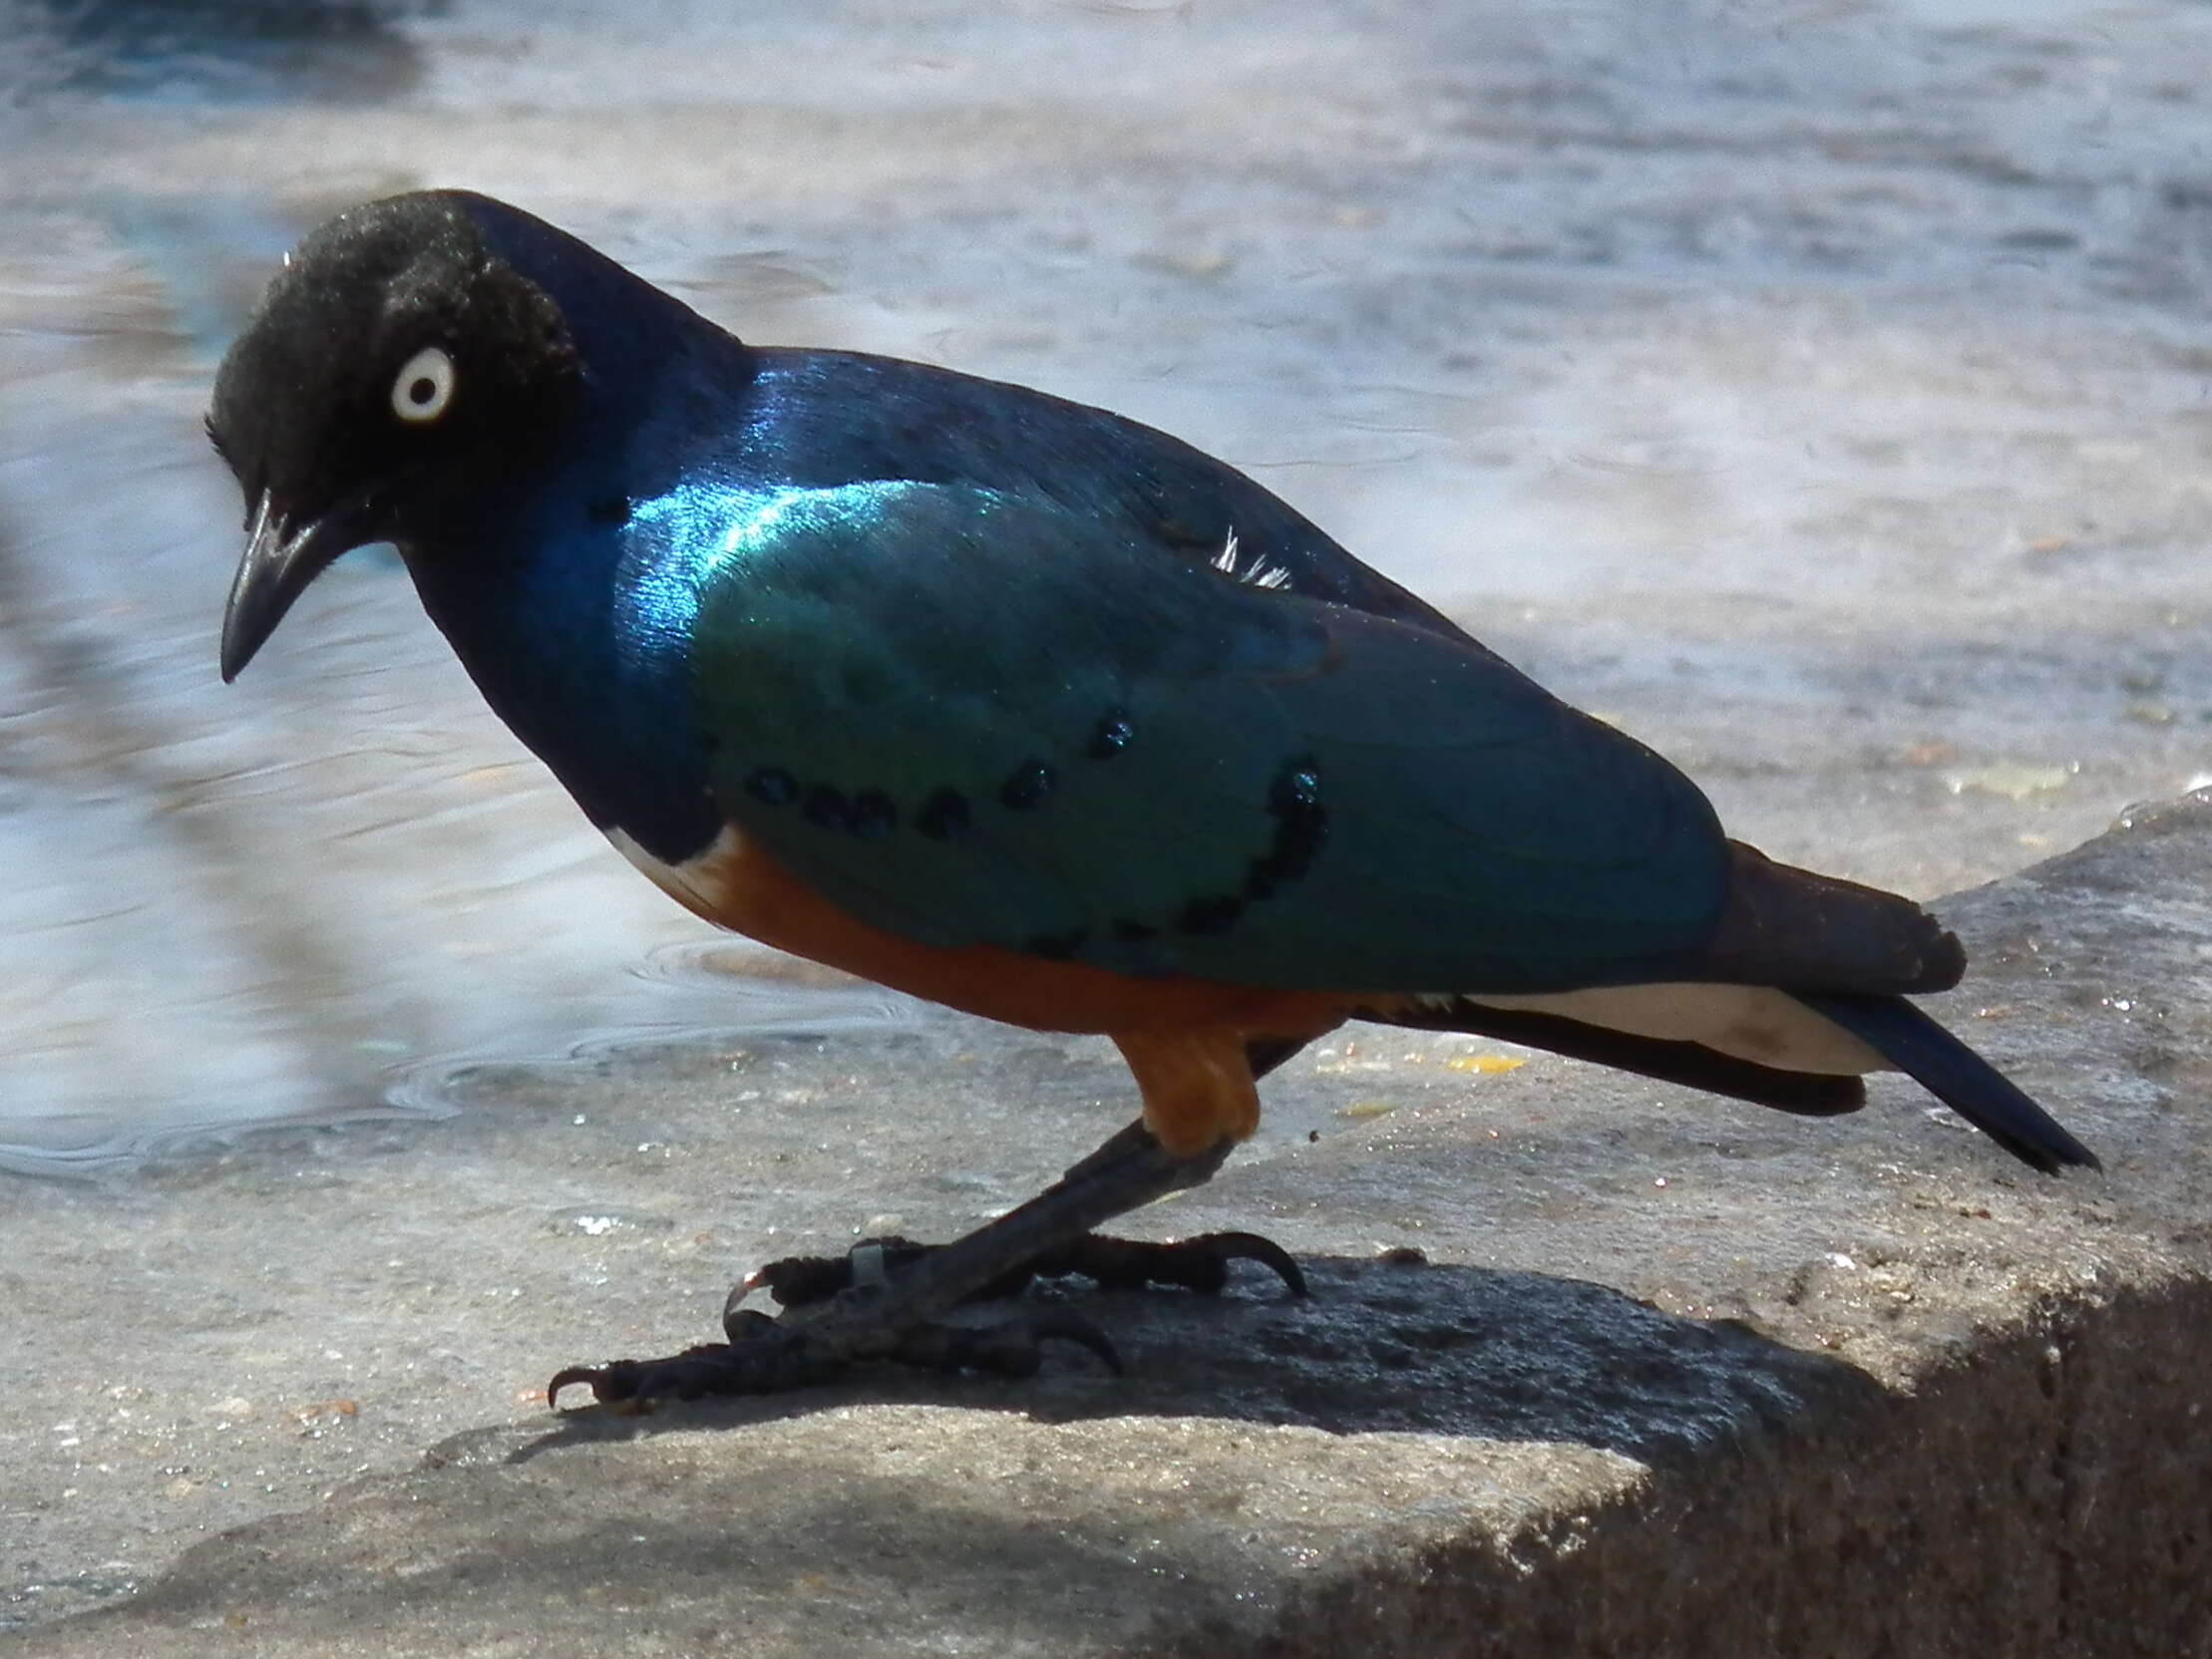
424 386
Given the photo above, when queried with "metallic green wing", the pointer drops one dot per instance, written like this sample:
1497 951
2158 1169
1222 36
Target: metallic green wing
973 717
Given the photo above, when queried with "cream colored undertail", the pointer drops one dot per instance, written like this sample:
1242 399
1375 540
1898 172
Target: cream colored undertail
1750 1022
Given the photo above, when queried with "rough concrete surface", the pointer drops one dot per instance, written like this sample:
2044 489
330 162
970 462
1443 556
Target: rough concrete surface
1675 1377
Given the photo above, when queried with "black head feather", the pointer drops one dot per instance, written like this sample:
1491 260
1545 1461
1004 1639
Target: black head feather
303 404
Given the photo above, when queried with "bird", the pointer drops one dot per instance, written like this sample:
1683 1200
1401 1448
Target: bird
1027 709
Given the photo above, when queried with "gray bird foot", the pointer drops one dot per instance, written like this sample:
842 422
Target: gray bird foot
1198 1264
768 1356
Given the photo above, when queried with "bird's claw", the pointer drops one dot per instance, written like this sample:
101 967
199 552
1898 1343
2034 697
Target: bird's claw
764 1356
1198 1264
684 1376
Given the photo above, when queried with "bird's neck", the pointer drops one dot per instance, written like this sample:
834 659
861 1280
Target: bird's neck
543 616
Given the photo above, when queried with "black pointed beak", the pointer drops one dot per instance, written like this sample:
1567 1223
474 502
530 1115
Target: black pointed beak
279 562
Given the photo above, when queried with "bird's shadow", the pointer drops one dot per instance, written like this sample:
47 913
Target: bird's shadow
1377 1347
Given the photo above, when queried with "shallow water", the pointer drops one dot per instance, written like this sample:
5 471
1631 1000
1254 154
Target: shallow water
1822 395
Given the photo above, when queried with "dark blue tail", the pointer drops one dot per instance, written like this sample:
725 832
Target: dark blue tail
1957 1076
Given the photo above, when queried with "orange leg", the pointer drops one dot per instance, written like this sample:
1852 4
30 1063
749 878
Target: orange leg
1197 1087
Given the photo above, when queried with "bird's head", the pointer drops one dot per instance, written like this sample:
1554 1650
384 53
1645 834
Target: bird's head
401 361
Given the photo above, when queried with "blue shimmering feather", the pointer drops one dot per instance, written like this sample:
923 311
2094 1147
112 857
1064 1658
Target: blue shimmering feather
879 615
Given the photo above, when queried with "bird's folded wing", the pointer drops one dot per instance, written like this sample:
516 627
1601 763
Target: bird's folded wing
971 717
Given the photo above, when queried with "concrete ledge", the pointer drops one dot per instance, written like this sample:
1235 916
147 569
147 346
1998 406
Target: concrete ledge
1675 1377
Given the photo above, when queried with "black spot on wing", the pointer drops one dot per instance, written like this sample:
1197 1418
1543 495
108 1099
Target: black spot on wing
1300 828
874 815
772 785
1294 802
1111 736
943 816
1028 785
870 813
1296 792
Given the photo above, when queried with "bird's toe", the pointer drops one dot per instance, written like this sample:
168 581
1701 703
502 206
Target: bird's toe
1199 1264
767 1356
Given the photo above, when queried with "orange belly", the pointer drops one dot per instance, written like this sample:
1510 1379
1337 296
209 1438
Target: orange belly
739 884
1184 1038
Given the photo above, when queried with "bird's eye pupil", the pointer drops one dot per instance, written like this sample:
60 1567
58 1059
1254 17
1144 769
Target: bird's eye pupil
424 386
